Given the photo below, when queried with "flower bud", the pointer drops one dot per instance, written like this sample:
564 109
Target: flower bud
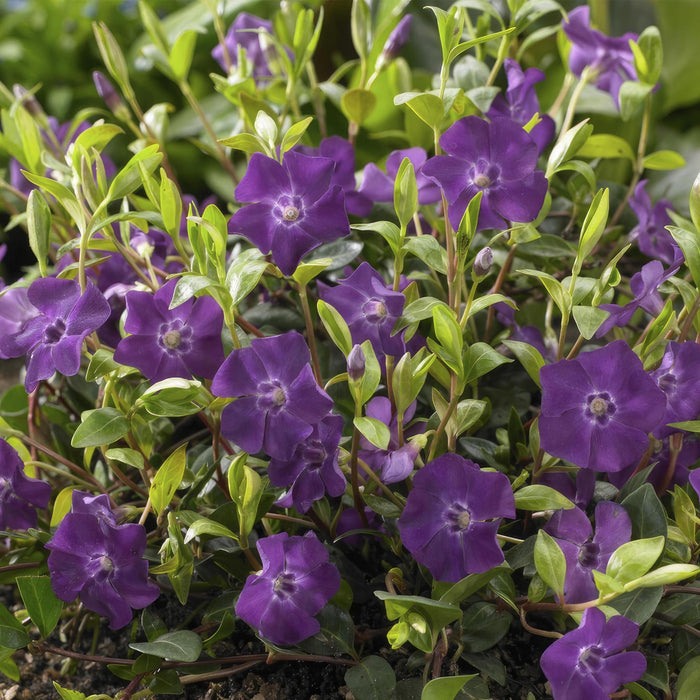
396 41
356 364
106 91
30 103
482 263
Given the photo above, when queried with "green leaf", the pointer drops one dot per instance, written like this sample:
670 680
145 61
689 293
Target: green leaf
100 426
244 274
429 250
550 562
12 633
374 678
688 684
372 375
41 602
445 688
205 526
529 357
305 272
606 146
173 646
374 430
663 160
101 364
593 227
631 96
646 512
481 358
457 592
427 107
406 193
357 104
388 230
96 137
335 326
447 330
483 626
293 135
560 295
248 143
651 48
128 178
246 489
180 58
39 227
173 397
664 575
568 145
131 457
167 479
633 559
541 497
588 319
638 605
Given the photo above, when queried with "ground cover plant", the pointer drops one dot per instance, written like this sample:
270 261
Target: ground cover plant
409 392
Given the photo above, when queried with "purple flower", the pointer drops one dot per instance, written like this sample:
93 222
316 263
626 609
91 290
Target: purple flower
452 517
52 340
20 495
395 463
379 186
610 58
295 207
598 409
295 583
589 663
678 376
356 363
243 33
278 401
101 561
168 342
15 311
578 490
520 102
497 158
585 551
694 479
370 308
397 39
644 285
650 232
312 471
342 153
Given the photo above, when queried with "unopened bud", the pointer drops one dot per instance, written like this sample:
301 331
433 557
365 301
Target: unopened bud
396 41
106 91
482 263
356 364
30 103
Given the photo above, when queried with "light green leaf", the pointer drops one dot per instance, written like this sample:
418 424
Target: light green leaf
663 160
357 104
181 54
100 426
336 327
39 227
167 479
550 562
445 688
633 559
182 645
374 430
541 497
529 357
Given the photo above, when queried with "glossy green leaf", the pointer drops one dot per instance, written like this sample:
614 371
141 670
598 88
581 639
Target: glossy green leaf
663 160
167 479
445 688
541 497
335 326
633 559
181 54
358 104
528 356
12 632
182 645
41 602
39 227
374 430
100 426
550 562
373 678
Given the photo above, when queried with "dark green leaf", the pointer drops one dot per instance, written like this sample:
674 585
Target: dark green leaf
41 602
12 633
100 426
173 646
374 678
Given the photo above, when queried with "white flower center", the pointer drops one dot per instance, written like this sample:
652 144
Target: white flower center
290 213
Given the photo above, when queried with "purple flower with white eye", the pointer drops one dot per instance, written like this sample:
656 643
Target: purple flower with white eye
586 551
520 102
452 516
165 342
278 401
100 561
295 208
295 583
342 153
678 376
20 495
650 232
644 285
589 663
244 32
312 471
370 308
598 409
610 58
379 186
395 463
52 339
497 158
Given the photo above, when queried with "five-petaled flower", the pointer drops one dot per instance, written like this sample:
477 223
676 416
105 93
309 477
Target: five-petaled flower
52 339
452 516
589 663
598 409
278 401
102 562
295 208
295 583
498 158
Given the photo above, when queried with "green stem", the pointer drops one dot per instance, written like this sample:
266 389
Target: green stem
575 96
311 337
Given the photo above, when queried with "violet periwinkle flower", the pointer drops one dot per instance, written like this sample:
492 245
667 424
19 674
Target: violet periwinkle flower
370 308
342 153
278 401
244 32
579 490
100 561
15 311
395 463
312 471
452 516
379 186
295 207
598 409
397 39
610 58
111 98
295 583
650 232
20 495
586 551
52 340
520 102
497 158
589 663
165 342
644 285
